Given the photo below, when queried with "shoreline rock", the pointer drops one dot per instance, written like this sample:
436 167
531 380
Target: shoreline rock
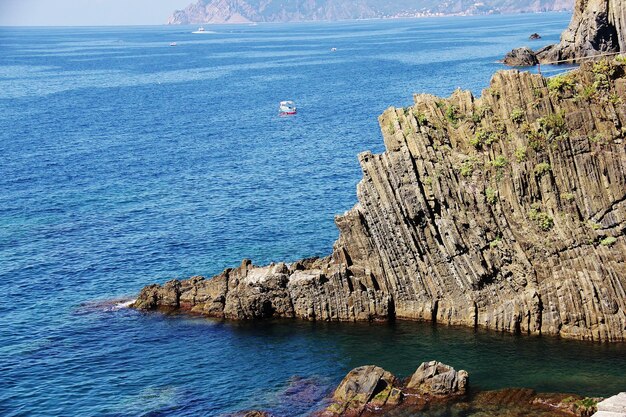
369 391
521 57
598 27
372 389
436 378
505 212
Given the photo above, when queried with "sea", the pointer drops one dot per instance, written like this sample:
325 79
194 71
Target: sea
126 161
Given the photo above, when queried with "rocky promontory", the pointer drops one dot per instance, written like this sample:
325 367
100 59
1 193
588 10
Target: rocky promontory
505 212
597 28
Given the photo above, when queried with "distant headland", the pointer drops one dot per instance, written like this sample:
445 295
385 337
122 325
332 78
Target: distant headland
249 11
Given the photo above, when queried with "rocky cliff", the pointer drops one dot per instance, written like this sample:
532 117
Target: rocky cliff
241 11
506 212
597 27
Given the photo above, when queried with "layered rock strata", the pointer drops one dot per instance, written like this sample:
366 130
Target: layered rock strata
505 212
598 27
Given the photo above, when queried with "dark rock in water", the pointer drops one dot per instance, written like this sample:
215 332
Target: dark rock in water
521 57
301 393
436 378
534 36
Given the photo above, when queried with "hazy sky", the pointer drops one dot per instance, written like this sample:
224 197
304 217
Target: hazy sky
87 12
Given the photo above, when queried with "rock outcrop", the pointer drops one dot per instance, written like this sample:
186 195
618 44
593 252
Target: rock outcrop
521 57
505 212
597 27
370 391
365 387
371 388
436 378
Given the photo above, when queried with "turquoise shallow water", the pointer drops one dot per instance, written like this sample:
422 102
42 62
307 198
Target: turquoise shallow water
125 161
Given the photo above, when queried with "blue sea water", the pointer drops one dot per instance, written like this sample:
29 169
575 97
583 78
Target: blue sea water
125 161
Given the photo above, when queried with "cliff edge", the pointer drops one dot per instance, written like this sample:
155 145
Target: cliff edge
597 27
506 212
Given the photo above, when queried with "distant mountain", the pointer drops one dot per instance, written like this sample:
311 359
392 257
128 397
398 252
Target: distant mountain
245 11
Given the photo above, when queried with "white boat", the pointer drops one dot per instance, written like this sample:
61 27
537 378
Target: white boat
201 30
333 49
173 44
287 107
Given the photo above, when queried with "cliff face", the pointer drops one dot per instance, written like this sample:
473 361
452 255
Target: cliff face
597 26
241 11
506 212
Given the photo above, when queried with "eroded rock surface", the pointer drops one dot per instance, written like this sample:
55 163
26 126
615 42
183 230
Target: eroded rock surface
364 387
521 57
506 212
436 378
597 27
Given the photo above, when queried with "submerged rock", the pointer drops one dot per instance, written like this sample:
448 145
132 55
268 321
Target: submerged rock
505 212
534 36
521 57
436 378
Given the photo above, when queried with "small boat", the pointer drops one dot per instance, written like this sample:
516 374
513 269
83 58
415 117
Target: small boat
287 107
201 29
333 49
173 44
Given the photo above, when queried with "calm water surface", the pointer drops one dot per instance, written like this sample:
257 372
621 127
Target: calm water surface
125 161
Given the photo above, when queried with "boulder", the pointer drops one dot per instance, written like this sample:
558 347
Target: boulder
436 378
363 386
521 57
